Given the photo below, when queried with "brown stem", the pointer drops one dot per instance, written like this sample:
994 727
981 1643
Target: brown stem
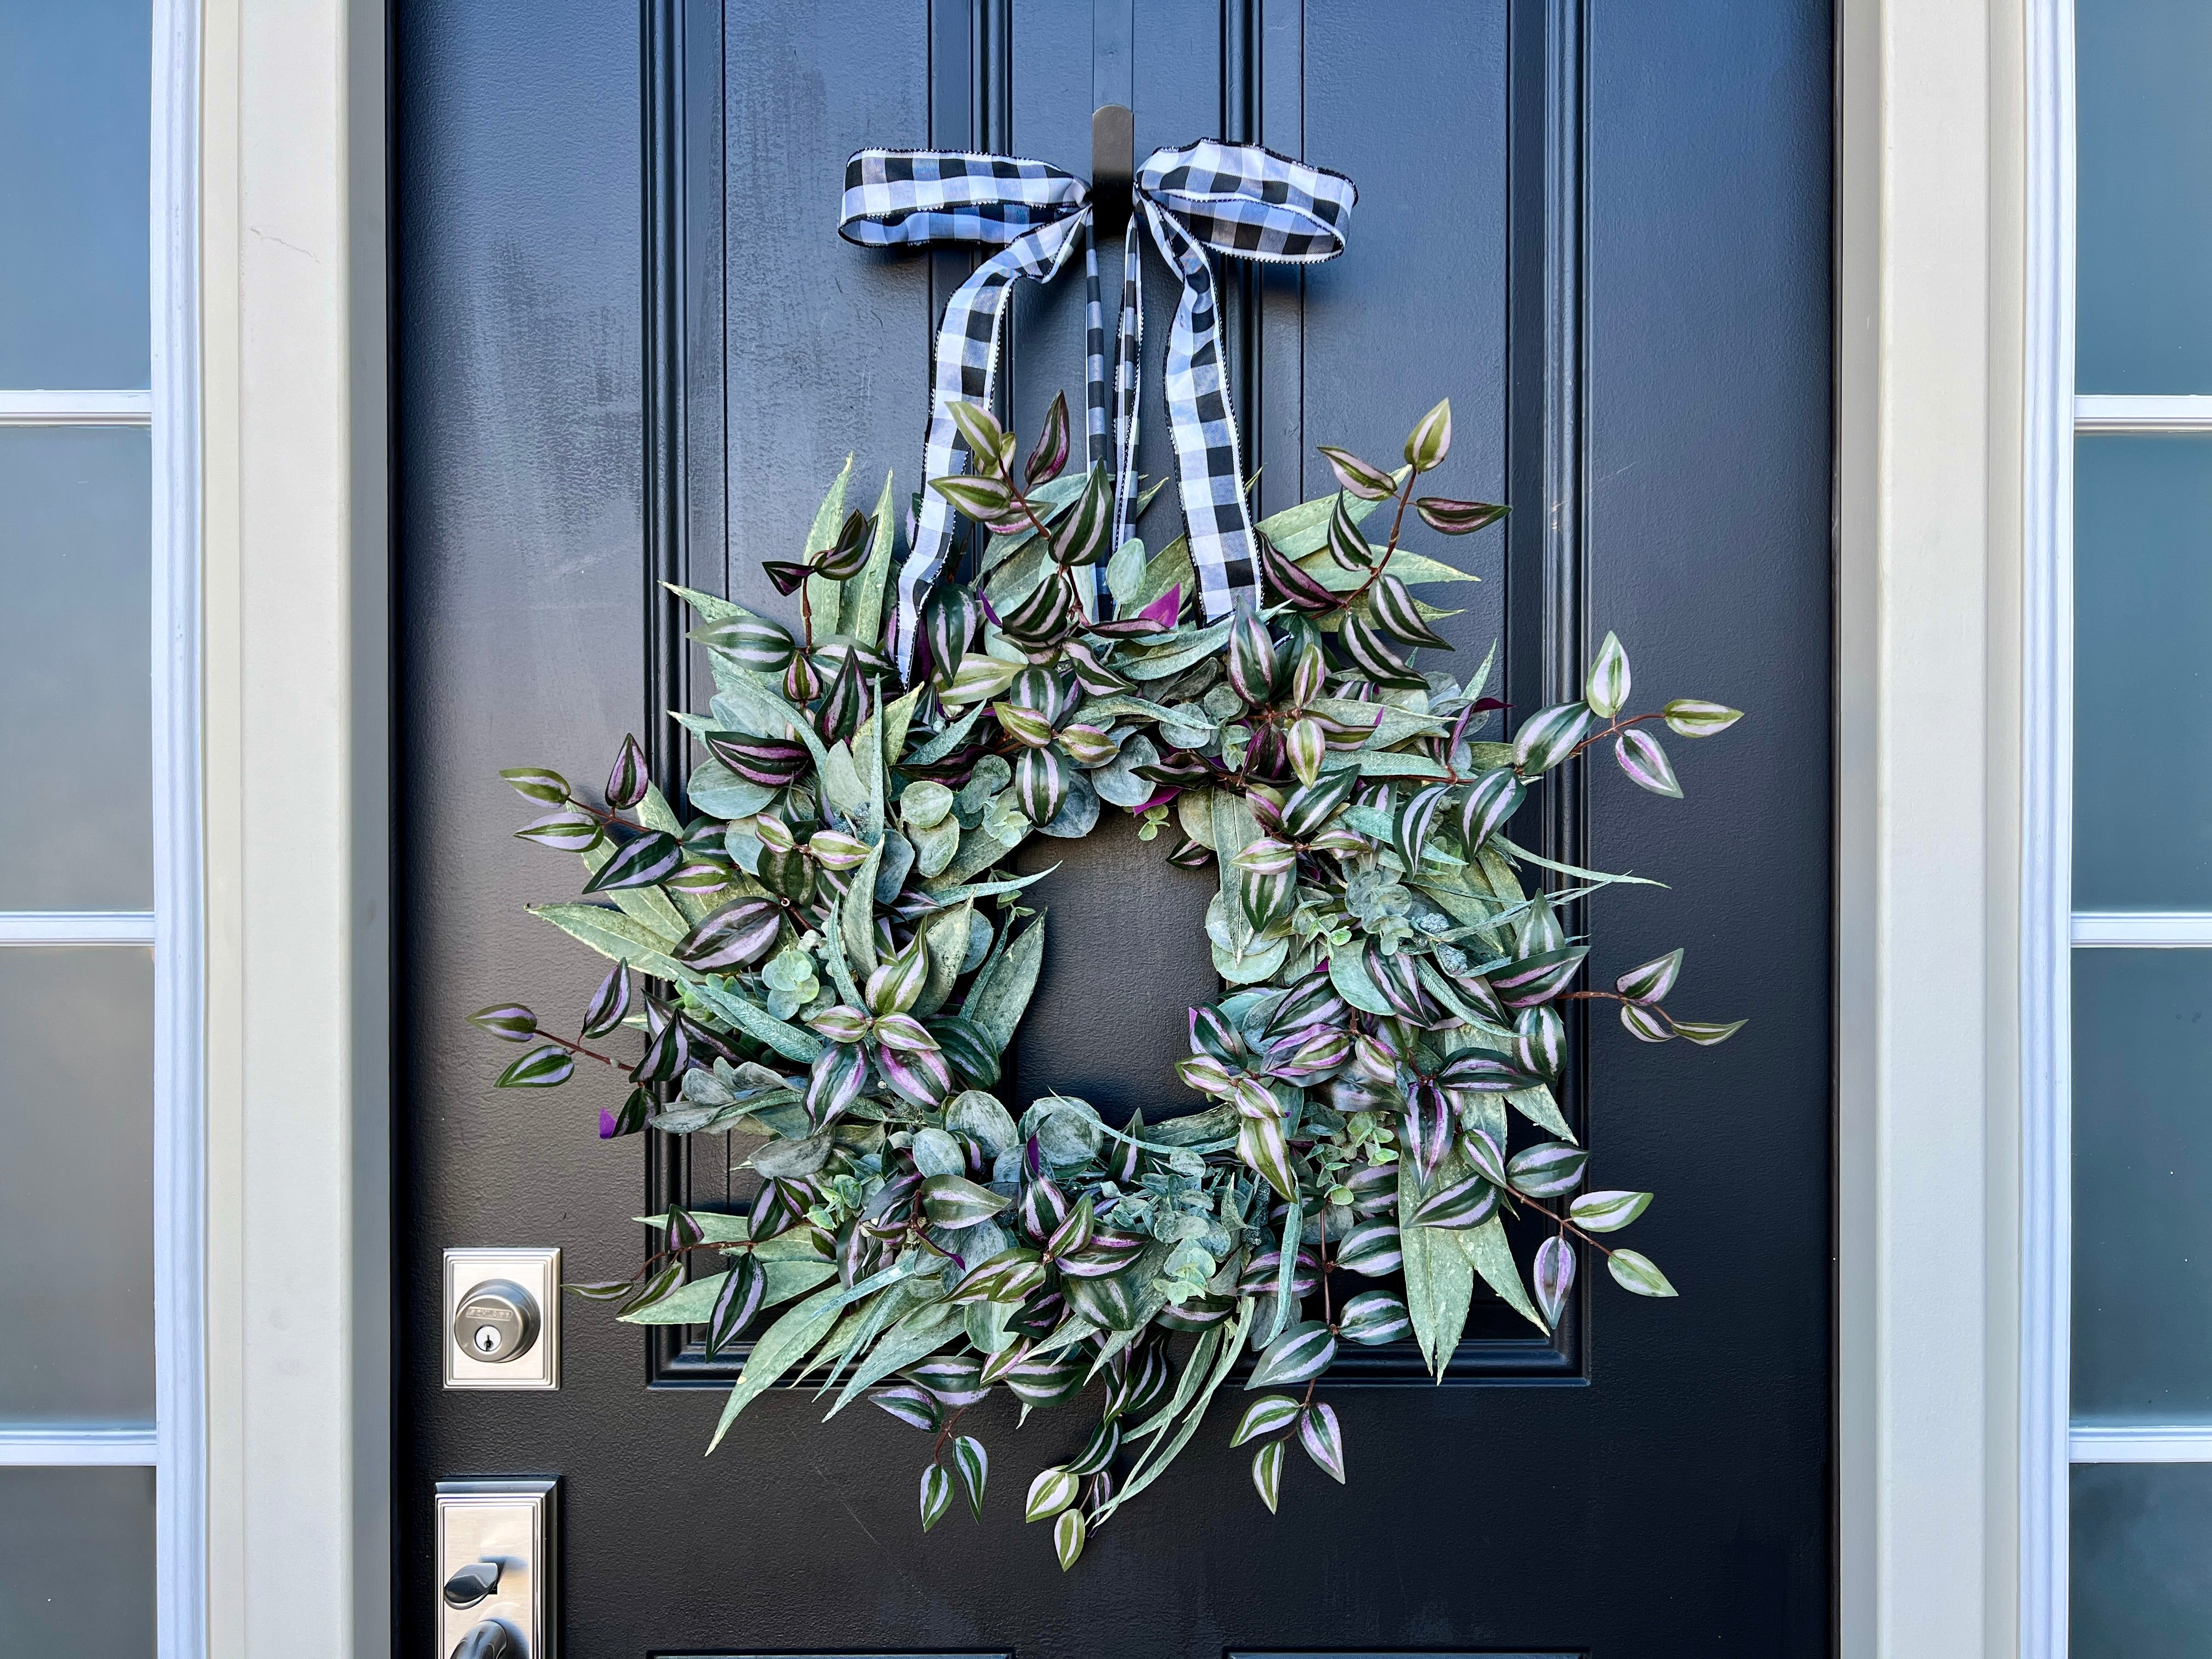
807 615
937 1450
1617 725
1564 1225
578 1048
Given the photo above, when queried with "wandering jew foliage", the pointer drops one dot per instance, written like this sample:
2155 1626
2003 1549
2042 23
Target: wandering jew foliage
823 956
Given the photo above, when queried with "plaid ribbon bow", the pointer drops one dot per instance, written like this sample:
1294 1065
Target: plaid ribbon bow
1238 199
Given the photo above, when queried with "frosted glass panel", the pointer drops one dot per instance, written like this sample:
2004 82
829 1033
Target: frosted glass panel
75 620
2142 676
76 1187
2144 160
76 87
2142 1186
2143 1561
76 1563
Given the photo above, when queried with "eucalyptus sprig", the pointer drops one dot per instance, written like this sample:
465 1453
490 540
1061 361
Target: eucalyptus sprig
823 956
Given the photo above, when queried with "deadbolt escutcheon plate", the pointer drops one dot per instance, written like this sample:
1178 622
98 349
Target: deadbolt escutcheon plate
502 1328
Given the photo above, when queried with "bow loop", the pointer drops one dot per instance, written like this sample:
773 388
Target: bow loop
1235 199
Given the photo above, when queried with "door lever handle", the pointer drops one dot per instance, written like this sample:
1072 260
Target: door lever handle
489 1640
471 1585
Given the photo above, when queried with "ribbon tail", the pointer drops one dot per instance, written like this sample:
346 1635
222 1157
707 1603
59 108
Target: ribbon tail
1128 360
967 365
1209 462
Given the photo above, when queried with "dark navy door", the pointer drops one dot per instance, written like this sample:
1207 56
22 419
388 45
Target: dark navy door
632 349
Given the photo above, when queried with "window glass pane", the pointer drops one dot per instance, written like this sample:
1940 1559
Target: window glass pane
2143 148
2142 1186
76 1563
2142 673
76 90
75 648
2142 1561
76 1186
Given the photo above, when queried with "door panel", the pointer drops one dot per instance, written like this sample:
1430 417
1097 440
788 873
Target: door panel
632 348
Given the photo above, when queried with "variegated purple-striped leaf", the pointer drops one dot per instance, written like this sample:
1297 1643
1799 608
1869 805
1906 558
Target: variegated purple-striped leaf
1150 1377
733 937
988 499
1189 855
1080 538
1321 1437
565 831
1076 1232
1555 1276
1394 975
1549 736
1706 1033
847 556
1041 1208
537 783
973 1464
1289 585
1314 804
839 1072
1416 817
801 684
1306 746
1644 1023
1088 745
842 1023
541 1068
912 1404
1269 1414
752 642
1106 1254
1690 717
980 431
948 621
1309 1057
860 1252
630 777
1370 651
776 1209
1537 978
605 1289
1098 1451
1374 1317
789 575
1547 1170
1363 479
998 1366
1652 981
701 878
1427 445
736 1303
667 1048
1371 1248
1608 1211
1050 454
843 705
1298 1355
1049 614
1251 658
1632 1270
1263 1146
1210 1033
1374 1189
758 760
630 1120
919 1075
955 1201
952 1379
1467 1202
1049 1380
1312 1001
1346 545
1449 517
510 1022
654 1287
1267 900
1488 1158
1646 763
1110 1302
1267 1474
1393 610
936 1495
1040 784
1024 725
1490 800
1606 691
1539 1041
1263 1271
1069 1530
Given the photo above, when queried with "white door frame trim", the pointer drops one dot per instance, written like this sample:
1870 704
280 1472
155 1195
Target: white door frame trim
177 925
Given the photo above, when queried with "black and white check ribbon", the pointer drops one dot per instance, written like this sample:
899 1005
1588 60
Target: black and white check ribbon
1236 199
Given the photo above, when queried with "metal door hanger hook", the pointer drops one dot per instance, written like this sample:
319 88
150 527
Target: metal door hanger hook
1113 167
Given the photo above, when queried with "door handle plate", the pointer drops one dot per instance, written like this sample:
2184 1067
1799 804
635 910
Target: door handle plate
514 1523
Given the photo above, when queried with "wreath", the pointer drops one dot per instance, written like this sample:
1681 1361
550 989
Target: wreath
823 956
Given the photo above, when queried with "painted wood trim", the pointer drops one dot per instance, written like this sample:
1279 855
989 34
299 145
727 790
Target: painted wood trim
66 927
90 1449
84 408
2140 1443
2141 930
2048 927
2111 414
